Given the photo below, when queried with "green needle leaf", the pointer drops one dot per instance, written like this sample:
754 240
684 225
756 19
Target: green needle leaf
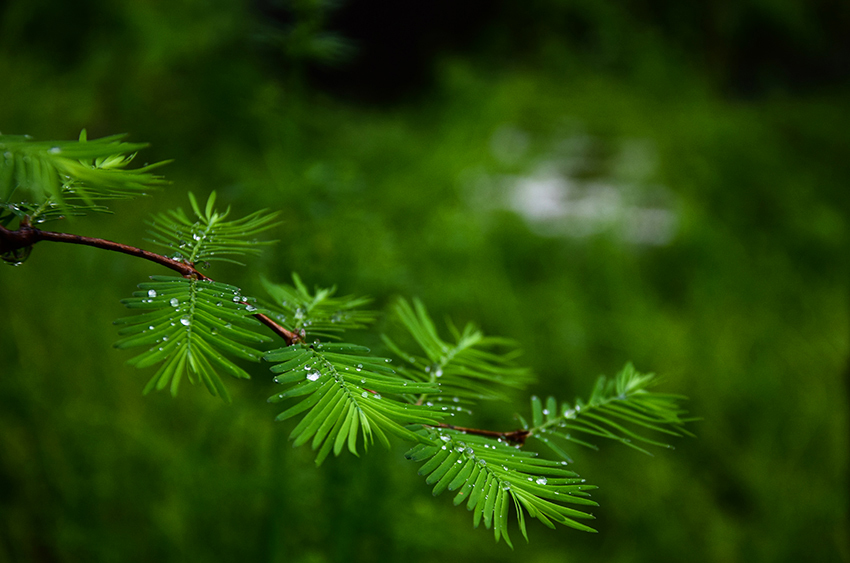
342 392
190 327
493 475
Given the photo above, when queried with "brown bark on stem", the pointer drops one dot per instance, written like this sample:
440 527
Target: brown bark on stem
27 235
515 437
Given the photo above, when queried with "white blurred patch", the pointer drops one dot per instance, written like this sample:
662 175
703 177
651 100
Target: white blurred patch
577 193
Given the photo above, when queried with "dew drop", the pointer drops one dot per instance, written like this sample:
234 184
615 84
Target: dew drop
185 321
151 293
364 394
174 302
541 481
250 308
313 375
445 438
55 150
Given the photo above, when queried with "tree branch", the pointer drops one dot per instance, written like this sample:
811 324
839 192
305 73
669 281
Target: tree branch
516 437
26 235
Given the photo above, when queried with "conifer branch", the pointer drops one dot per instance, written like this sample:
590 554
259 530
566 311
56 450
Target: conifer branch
344 396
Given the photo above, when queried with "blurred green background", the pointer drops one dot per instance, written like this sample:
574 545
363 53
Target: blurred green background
604 181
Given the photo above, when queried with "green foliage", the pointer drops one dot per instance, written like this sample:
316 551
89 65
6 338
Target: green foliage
47 180
489 469
491 475
192 321
614 409
190 325
321 313
195 327
466 368
343 390
209 237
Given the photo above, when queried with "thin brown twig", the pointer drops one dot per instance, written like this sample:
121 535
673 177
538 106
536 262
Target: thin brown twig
27 235
516 437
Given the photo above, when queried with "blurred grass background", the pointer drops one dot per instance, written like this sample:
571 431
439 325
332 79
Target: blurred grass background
602 181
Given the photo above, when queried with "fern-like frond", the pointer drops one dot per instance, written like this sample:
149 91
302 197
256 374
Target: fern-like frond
467 368
491 475
46 180
621 409
209 236
320 313
345 393
190 326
